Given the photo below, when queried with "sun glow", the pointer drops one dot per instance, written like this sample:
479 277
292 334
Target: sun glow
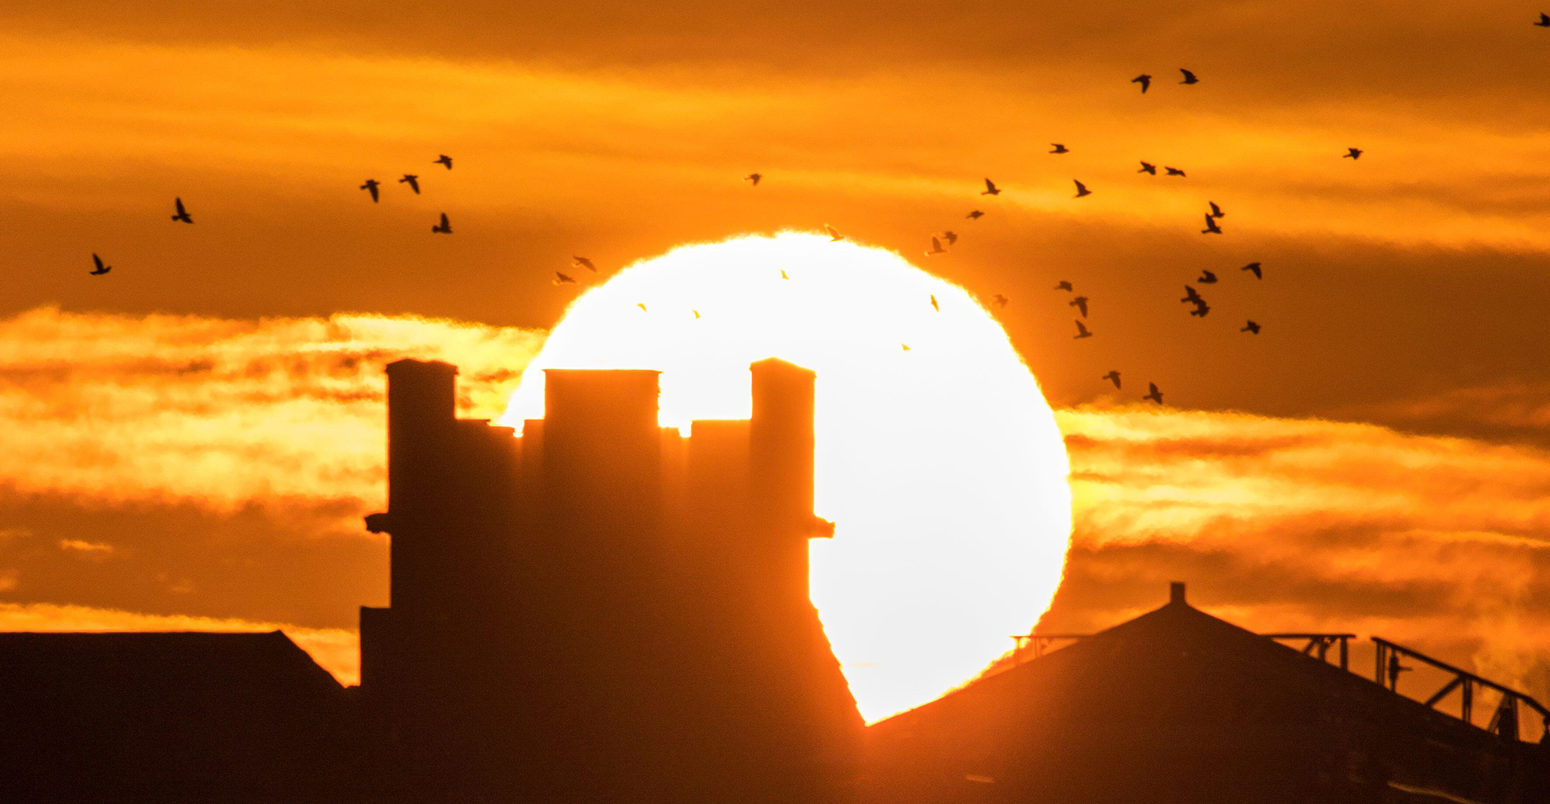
937 456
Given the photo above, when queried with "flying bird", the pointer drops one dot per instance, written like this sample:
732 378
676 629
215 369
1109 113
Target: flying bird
1206 278
753 177
1191 297
1250 327
1059 148
100 269
934 305
182 215
1001 300
563 279
444 227
973 215
371 187
1148 167
950 238
1544 20
936 247
1064 285
1081 189
1173 171
1155 395
443 159
1216 211
583 262
1189 77
413 180
1352 153
1211 227
1080 303
1254 266
1081 331
1144 80
990 188
833 235
1112 376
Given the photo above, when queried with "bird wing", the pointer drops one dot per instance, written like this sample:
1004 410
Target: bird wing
179 203
444 222
990 185
936 245
1080 187
98 260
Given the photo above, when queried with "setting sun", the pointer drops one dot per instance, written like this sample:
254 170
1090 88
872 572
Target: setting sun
937 456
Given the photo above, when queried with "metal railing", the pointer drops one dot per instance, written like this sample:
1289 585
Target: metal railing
1504 722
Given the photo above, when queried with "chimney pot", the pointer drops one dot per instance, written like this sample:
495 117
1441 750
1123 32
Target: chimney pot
1176 592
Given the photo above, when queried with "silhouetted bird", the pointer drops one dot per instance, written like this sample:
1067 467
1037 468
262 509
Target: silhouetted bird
1173 171
936 247
1206 278
1352 153
371 187
1144 80
1059 149
1211 227
182 216
641 305
934 305
1148 167
1190 296
833 235
413 180
100 269
753 177
563 279
1081 189
583 262
444 227
1250 327
1064 285
1001 300
1201 310
1080 303
1544 20
1155 395
1081 331
990 188
443 159
975 214
950 238
1189 77
1216 211
1112 376
1254 266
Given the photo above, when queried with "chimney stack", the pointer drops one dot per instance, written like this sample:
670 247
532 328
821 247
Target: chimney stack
1176 593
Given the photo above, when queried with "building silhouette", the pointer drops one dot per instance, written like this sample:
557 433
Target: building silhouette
608 610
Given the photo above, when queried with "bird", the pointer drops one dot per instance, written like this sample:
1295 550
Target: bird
1250 327
696 314
1059 148
1001 300
934 305
974 214
1352 153
833 235
563 279
1254 266
783 274
1081 331
1191 297
1112 376
182 215
1081 189
1544 20
990 188
444 227
1201 310
950 237
1173 171
1148 167
1189 77
642 306
1155 395
100 269
413 180
1216 211
1206 278
754 178
1080 303
443 159
371 187
1211 227
583 262
1064 285
1144 80
936 247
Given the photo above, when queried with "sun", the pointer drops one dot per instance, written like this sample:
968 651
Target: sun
937 456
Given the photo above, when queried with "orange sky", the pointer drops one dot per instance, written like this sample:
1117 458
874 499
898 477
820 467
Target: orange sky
1374 460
